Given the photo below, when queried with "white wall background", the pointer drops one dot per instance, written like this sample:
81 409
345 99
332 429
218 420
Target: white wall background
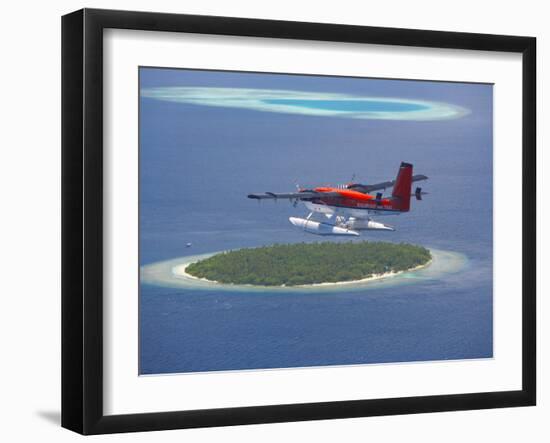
30 219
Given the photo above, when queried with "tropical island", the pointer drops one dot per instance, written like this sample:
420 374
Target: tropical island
301 264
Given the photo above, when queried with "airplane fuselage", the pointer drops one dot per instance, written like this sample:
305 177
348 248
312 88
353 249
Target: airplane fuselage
359 212
349 208
350 203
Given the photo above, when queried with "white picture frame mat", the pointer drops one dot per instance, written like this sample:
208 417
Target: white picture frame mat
125 392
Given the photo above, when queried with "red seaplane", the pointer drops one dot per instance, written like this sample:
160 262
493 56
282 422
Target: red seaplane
348 208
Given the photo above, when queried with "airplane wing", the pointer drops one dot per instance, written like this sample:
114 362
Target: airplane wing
304 195
381 186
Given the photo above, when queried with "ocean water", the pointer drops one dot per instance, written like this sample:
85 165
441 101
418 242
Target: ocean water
198 163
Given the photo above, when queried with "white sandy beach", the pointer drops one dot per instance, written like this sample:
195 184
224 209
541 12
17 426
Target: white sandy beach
179 271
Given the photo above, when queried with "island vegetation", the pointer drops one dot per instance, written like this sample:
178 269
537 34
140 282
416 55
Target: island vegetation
309 263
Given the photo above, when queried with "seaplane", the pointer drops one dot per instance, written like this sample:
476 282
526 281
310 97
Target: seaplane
348 209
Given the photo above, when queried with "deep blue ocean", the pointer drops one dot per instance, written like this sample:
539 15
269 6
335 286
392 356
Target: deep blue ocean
197 165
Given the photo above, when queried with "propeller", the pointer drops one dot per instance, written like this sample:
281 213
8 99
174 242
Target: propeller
272 195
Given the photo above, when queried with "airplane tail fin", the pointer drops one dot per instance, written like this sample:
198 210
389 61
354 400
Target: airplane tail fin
401 194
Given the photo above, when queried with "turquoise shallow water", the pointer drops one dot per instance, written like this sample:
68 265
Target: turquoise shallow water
312 103
169 273
350 105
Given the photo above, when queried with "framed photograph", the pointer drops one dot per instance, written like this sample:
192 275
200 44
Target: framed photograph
268 221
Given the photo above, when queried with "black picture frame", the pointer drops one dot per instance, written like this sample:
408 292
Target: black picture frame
82 220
